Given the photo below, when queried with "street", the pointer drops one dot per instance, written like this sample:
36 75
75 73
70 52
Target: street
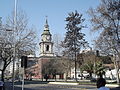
55 87
39 85
36 85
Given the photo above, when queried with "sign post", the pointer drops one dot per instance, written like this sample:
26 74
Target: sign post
23 65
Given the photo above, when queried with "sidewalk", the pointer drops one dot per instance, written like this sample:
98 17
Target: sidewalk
63 83
8 86
112 85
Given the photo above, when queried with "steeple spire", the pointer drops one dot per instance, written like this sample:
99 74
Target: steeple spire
46 24
46 28
46 21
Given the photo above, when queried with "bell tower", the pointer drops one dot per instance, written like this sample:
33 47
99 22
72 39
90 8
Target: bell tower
46 44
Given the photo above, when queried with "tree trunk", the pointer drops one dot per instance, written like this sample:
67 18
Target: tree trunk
117 73
76 66
65 77
117 70
2 76
90 75
55 78
101 76
118 81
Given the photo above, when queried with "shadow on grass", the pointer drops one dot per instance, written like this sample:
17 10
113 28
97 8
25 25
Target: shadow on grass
19 88
8 86
31 82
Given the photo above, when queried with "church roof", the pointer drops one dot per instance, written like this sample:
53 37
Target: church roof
46 29
46 32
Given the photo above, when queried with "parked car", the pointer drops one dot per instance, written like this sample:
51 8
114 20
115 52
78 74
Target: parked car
85 74
80 77
1 85
93 80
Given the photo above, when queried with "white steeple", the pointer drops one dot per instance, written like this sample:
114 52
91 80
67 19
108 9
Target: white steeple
46 45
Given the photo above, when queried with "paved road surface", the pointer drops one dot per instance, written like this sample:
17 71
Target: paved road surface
45 86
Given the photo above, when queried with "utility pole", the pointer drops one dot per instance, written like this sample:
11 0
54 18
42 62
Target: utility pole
0 21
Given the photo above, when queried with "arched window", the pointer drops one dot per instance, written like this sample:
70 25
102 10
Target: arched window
47 48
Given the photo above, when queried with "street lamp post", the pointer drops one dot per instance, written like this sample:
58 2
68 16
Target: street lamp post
15 12
14 29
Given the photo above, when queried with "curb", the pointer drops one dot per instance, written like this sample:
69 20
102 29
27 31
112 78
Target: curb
111 85
63 83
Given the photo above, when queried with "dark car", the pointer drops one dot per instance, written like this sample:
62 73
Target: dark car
1 85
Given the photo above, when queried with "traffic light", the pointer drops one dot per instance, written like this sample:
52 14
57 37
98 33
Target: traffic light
24 61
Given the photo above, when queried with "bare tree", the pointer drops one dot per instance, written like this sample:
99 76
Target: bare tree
106 19
67 63
23 38
57 44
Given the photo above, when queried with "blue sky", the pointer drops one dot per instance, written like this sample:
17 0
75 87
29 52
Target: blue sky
56 10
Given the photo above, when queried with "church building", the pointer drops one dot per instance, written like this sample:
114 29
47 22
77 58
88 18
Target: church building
35 64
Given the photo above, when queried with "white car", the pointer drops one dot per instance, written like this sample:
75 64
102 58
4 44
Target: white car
85 74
